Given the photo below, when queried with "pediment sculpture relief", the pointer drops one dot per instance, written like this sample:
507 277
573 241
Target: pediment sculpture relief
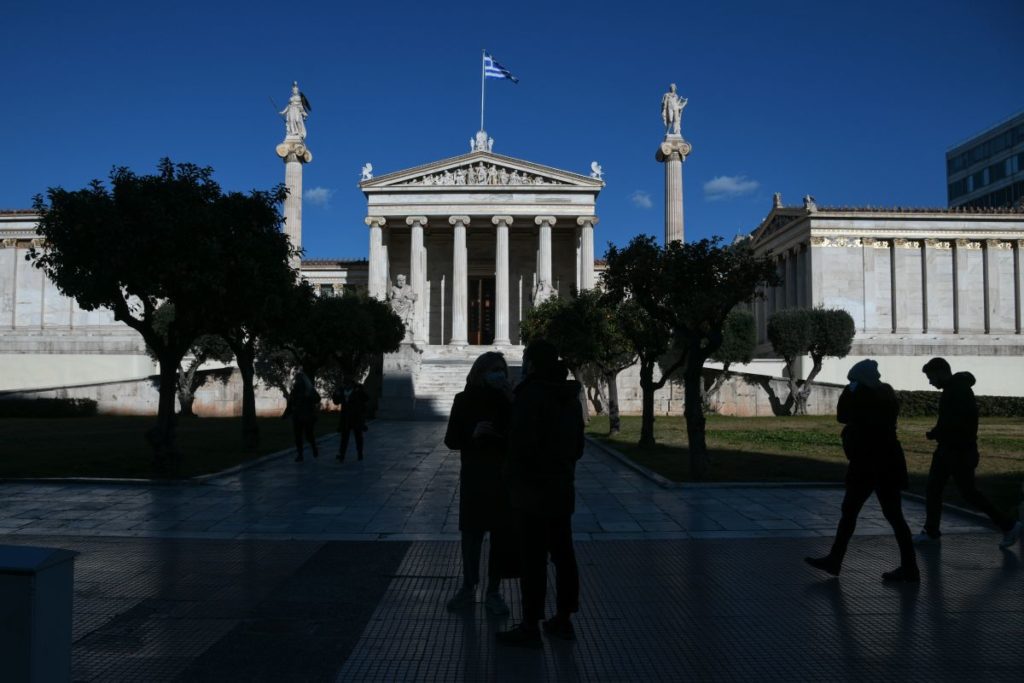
481 174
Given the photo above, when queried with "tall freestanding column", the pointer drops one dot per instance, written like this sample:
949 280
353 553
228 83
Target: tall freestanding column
544 287
460 282
378 271
417 278
295 153
672 151
501 304
586 264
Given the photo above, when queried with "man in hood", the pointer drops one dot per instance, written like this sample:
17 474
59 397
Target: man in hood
956 452
545 441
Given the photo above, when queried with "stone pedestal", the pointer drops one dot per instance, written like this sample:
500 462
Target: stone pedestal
294 153
672 151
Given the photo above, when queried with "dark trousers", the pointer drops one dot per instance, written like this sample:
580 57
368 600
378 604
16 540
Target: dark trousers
346 429
303 430
472 542
539 537
960 465
858 490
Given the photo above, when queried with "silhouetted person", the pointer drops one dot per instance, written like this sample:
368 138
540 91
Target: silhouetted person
868 408
545 441
478 429
956 452
353 400
303 401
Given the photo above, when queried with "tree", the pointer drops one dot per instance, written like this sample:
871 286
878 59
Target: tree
818 333
145 241
587 332
205 348
636 281
330 338
689 288
739 338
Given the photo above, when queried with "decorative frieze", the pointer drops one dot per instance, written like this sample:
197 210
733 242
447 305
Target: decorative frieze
967 244
837 242
941 245
8 243
481 174
1000 245
900 243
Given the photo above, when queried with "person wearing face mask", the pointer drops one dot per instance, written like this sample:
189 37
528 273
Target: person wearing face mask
478 428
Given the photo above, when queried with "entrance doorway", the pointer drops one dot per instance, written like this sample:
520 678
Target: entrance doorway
481 310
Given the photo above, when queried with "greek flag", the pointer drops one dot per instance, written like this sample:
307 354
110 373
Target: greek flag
493 69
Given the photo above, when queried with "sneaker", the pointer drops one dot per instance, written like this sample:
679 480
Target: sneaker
825 564
495 605
1011 536
559 627
465 597
925 537
520 636
902 574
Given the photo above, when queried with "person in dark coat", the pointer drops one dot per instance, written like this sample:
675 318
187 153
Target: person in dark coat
353 400
545 441
869 409
956 453
478 429
303 402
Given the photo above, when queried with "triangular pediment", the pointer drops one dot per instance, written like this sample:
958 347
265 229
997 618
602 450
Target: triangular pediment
481 170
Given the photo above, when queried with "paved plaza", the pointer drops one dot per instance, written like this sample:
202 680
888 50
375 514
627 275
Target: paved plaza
328 571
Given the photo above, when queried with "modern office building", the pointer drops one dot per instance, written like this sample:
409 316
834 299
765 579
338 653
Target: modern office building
988 169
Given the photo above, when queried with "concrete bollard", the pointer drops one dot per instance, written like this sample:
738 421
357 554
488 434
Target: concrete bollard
36 591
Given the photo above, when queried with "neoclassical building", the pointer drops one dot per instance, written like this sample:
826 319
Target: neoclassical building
479 238
917 282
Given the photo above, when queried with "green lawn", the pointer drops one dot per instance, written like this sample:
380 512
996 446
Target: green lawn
777 449
115 446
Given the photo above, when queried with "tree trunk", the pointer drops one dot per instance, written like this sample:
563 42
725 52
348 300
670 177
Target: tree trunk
794 390
187 387
614 421
695 423
647 420
805 391
163 437
244 356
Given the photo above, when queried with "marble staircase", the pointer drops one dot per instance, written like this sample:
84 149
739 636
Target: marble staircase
442 374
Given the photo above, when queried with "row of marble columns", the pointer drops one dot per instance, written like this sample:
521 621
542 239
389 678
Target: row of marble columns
378 269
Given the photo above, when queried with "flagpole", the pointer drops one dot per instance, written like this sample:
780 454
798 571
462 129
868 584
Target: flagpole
482 53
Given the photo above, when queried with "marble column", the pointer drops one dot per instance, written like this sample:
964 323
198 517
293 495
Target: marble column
1018 277
460 282
377 275
501 284
544 284
671 152
417 276
586 262
294 153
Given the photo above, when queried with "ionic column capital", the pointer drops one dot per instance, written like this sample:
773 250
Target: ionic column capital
375 221
584 221
502 220
294 151
458 220
416 221
545 220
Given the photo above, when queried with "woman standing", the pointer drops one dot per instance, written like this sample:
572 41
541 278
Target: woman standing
477 429
869 409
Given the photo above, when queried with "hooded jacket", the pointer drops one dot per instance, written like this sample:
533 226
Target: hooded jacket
957 426
545 441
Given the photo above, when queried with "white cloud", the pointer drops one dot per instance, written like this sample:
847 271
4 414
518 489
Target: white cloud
318 196
641 199
729 186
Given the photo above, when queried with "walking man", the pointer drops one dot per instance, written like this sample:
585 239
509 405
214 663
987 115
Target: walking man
545 441
353 400
956 453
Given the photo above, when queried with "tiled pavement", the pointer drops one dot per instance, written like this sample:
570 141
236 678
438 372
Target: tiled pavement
406 489
266 575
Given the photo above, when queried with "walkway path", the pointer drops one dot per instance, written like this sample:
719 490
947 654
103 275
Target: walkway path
407 489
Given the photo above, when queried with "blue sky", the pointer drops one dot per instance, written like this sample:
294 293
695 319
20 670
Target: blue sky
854 103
